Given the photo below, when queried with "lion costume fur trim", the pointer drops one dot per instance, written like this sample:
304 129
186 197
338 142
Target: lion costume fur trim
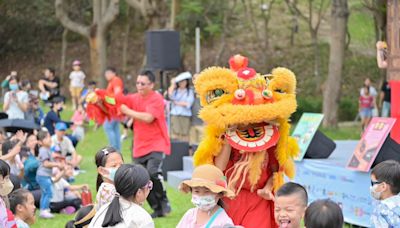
220 114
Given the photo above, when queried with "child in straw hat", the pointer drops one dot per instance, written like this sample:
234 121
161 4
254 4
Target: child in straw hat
208 186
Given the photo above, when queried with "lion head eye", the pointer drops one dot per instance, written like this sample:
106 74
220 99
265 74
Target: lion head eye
214 94
279 91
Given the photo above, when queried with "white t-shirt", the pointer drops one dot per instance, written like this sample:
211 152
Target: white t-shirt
14 112
133 215
66 146
77 78
58 190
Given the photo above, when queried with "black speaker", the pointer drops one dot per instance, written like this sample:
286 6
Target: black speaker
390 150
320 147
163 50
174 160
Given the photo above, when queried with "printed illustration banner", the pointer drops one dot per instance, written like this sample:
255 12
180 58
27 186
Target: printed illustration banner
348 188
305 130
370 144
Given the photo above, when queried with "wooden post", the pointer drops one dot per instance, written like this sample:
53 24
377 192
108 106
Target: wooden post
393 68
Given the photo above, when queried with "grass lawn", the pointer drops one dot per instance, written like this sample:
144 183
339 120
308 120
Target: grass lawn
96 139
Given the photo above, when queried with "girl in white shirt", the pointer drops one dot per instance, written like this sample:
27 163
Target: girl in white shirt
133 185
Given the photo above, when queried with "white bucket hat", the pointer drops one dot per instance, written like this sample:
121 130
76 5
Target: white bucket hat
183 76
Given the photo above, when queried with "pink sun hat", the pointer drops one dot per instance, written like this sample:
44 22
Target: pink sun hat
76 63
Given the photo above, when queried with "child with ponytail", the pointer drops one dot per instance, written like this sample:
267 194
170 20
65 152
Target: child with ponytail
133 185
108 160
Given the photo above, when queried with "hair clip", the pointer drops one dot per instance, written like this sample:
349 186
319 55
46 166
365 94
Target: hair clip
105 151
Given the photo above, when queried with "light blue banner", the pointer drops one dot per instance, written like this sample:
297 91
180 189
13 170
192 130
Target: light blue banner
328 178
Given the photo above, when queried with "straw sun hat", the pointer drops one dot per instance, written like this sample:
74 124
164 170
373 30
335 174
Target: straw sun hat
210 177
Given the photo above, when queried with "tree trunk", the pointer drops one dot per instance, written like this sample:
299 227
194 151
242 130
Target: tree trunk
317 56
339 16
98 59
104 13
175 5
63 53
126 43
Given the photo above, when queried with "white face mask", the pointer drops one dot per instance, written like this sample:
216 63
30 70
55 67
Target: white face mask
204 203
376 195
6 187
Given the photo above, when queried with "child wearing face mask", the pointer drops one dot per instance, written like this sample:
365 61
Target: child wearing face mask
108 160
5 188
133 185
385 188
290 205
208 186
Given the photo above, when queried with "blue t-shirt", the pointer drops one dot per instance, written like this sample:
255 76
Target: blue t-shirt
44 155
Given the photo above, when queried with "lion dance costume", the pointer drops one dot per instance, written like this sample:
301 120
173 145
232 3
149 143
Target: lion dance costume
250 111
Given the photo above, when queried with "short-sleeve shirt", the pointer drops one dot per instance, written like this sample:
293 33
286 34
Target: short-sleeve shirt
44 155
77 79
58 190
115 86
372 91
53 91
366 102
133 216
66 146
14 112
50 121
189 220
386 91
149 137
105 194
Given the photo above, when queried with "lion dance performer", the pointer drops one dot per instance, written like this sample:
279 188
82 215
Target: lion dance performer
247 135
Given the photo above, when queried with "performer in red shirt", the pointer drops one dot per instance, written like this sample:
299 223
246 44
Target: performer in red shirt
150 141
111 127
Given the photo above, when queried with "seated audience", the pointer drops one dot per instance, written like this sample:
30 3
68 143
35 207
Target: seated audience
108 160
59 202
78 131
385 188
49 85
6 186
290 205
133 185
208 186
53 116
82 218
15 101
323 213
23 207
66 146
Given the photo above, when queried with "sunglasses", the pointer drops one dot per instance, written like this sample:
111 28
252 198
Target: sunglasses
375 182
142 83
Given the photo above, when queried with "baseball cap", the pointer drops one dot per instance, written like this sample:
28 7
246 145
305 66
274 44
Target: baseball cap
61 126
76 63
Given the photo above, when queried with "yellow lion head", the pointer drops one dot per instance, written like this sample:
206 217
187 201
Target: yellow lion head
251 110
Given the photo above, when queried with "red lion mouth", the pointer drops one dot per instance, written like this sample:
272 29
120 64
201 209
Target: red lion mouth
253 138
